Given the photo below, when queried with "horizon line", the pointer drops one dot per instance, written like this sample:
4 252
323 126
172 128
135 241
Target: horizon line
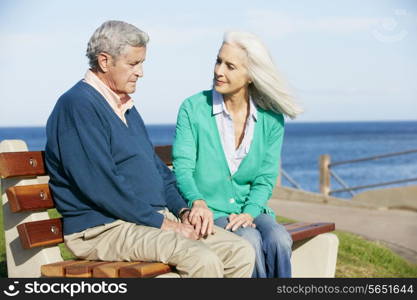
292 121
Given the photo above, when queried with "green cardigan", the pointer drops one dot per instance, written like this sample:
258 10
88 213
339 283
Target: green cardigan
201 168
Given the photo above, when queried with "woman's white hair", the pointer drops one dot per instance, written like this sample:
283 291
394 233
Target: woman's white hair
268 89
112 37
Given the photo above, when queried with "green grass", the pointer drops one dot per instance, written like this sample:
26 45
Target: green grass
357 257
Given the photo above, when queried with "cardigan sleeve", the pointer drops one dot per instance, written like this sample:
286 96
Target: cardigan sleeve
262 186
173 199
184 156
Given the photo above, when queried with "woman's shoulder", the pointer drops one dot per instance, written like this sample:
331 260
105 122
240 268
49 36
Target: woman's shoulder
198 101
198 104
272 117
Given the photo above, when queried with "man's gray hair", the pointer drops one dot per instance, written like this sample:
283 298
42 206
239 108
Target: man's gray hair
112 37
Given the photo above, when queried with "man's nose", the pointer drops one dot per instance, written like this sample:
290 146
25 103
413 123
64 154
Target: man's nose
139 71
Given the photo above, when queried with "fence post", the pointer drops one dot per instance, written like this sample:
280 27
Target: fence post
324 174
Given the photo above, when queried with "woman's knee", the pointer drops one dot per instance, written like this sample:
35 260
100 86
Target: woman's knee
278 236
252 236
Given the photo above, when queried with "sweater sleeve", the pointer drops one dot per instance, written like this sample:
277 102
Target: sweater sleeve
84 143
262 186
173 199
184 156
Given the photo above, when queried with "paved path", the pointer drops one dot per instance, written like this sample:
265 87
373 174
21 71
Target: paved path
396 228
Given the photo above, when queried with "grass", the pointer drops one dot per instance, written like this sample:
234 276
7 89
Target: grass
357 257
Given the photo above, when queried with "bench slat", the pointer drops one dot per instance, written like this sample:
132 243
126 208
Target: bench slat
164 153
290 226
144 270
310 230
41 233
31 163
29 198
15 164
110 270
83 270
58 269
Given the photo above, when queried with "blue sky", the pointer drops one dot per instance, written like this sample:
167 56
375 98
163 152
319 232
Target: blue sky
345 60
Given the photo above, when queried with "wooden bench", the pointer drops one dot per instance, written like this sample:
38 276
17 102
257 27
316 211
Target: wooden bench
32 237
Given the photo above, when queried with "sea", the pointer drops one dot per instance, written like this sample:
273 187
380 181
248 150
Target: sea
303 145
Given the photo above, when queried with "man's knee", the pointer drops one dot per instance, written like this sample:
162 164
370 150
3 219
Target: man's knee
201 262
208 258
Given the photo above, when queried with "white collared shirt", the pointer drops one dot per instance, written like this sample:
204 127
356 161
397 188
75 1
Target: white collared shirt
118 105
227 131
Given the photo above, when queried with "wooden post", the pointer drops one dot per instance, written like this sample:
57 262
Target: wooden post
324 174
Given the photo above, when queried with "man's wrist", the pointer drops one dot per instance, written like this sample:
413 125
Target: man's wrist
183 211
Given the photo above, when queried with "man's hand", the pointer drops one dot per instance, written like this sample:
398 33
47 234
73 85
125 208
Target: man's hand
186 230
240 220
201 217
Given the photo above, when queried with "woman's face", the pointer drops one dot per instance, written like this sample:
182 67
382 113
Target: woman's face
230 72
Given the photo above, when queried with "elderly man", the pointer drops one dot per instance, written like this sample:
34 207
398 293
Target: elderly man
118 200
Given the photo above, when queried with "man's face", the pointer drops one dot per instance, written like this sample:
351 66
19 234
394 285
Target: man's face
124 71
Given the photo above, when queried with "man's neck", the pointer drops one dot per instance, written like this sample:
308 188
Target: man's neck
123 97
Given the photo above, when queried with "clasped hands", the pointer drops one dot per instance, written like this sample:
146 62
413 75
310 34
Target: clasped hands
198 223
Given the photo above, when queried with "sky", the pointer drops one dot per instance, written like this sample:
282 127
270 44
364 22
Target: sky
345 60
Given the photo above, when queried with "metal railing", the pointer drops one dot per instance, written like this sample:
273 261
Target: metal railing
290 179
326 173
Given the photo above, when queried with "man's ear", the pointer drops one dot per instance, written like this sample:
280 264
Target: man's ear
104 60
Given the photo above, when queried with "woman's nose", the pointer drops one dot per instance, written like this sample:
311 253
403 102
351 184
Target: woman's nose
218 70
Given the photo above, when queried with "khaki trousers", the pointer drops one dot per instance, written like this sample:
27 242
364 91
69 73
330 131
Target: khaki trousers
223 254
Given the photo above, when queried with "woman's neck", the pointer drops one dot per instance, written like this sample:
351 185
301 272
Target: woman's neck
237 102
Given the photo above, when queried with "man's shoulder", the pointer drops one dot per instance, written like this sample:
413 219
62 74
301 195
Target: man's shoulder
80 95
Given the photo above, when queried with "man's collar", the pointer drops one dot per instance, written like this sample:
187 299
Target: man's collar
117 100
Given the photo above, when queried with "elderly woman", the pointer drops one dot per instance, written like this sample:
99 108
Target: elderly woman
227 150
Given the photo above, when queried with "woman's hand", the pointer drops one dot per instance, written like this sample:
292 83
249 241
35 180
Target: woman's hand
240 220
202 218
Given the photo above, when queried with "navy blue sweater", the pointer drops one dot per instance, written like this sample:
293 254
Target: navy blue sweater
102 170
